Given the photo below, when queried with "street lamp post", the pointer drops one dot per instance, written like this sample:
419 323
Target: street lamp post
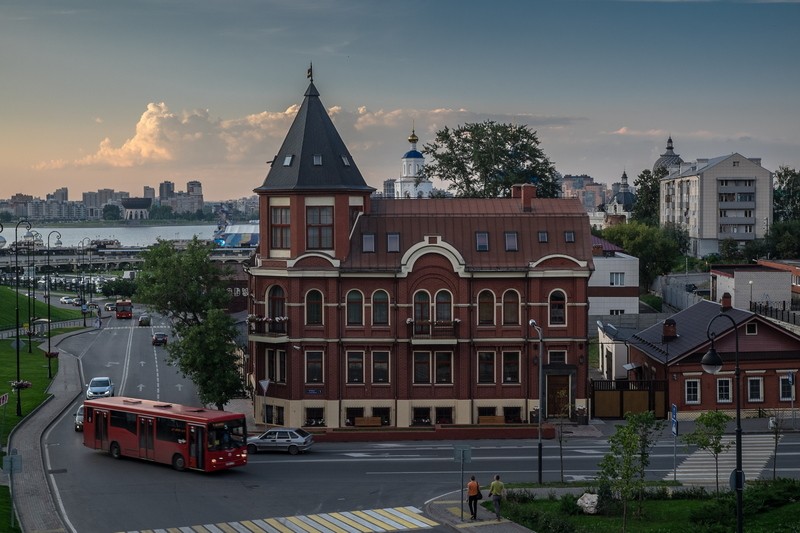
27 236
48 290
32 292
538 329
712 363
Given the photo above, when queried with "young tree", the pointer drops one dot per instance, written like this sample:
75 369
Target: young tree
707 436
619 469
786 196
564 409
186 287
483 160
648 196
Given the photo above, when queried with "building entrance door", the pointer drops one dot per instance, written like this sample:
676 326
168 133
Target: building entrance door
557 396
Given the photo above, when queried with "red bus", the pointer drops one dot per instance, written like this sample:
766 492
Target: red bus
185 437
124 309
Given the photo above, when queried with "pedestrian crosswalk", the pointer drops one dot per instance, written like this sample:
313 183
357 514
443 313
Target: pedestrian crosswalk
698 468
365 521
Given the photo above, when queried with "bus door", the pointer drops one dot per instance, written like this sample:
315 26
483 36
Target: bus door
197 447
146 430
100 430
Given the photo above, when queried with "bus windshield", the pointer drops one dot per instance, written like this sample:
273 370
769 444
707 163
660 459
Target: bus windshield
227 435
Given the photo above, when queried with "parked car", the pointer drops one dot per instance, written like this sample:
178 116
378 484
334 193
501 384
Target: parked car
77 302
92 305
100 387
110 306
79 418
292 440
66 300
144 320
159 339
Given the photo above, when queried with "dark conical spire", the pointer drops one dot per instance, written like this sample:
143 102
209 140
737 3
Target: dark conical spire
313 155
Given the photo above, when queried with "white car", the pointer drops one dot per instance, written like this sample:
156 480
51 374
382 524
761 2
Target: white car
292 440
66 299
101 387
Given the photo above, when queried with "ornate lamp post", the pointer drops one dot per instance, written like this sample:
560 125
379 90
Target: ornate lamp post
538 329
48 289
712 363
28 236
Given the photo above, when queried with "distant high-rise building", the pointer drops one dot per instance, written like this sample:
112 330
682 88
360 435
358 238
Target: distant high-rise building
149 192
60 195
166 189
194 188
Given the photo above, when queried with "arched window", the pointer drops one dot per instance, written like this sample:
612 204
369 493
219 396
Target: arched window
276 308
422 313
486 308
511 308
380 308
314 308
355 309
444 307
558 304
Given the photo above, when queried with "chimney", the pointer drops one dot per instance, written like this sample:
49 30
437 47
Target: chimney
528 194
516 190
725 304
597 250
669 331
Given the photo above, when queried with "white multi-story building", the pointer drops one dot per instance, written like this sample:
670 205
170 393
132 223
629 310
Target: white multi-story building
728 197
614 284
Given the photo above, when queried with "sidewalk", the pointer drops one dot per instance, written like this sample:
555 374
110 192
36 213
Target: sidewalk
31 492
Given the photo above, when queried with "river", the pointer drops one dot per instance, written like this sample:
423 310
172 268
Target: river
128 236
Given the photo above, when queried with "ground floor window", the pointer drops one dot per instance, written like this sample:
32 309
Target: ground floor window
724 390
755 389
787 388
421 416
692 390
444 415
513 415
487 411
315 416
384 413
351 413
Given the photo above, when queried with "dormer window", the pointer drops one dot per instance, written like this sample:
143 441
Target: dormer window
542 236
368 242
569 236
287 161
317 160
345 161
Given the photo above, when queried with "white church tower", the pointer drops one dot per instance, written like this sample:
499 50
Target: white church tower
405 187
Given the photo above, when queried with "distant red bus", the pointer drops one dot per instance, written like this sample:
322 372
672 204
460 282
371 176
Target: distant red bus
185 437
124 309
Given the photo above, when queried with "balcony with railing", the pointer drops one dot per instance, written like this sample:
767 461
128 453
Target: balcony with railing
434 331
267 328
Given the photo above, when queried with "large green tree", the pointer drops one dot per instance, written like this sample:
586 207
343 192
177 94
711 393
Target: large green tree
185 286
484 160
657 249
648 194
786 196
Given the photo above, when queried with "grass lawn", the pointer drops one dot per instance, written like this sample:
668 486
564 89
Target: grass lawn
8 305
660 516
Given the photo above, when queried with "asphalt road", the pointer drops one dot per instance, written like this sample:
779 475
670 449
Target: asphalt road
100 494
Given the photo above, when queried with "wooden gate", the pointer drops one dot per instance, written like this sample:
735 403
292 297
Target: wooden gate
613 398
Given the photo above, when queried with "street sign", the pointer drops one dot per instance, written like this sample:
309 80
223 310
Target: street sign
462 453
674 419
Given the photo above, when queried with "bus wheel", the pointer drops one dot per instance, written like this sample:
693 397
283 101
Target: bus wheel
293 450
114 450
178 462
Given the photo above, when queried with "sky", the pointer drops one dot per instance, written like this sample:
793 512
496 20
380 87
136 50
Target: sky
97 94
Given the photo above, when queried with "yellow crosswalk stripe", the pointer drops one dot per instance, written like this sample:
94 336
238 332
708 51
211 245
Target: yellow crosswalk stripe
396 519
302 525
415 514
226 528
249 524
327 524
373 520
350 522
274 522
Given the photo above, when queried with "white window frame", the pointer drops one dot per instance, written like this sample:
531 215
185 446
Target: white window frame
784 379
696 383
729 399
760 381
617 279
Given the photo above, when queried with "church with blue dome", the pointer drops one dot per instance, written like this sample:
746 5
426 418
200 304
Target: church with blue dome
406 185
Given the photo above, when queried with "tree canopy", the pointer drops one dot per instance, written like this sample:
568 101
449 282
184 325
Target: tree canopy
786 196
484 160
658 249
186 287
648 195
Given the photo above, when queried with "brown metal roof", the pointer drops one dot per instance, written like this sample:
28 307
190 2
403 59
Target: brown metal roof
457 220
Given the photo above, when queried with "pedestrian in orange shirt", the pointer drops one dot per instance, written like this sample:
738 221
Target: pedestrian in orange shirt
473 495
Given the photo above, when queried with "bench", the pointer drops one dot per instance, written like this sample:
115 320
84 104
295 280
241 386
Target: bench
491 419
368 421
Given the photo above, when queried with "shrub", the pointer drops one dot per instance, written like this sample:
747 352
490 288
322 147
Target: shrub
568 505
718 515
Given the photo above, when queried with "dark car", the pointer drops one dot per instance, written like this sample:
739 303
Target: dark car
144 320
159 339
79 418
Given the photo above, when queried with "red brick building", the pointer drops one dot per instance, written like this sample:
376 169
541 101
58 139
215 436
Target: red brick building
410 311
